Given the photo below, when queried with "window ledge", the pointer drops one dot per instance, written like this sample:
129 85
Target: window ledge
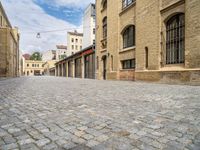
127 69
127 8
127 49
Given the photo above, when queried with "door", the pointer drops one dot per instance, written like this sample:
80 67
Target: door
104 67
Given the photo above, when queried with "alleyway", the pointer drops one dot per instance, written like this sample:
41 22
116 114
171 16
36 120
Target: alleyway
59 113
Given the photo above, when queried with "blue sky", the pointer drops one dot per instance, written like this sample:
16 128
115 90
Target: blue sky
33 16
69 13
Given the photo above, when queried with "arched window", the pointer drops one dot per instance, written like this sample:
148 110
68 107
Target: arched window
105 27
104 4
129 37
175 40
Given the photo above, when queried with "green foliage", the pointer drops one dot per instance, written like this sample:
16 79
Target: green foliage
36 56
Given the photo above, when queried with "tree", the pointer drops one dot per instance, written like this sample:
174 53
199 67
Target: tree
36 56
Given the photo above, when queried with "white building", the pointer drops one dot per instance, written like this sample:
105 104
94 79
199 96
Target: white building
61 52
74 42
89 26
49 55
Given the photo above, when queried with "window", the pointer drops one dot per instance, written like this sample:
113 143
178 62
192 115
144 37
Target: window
72 47
128 64
129 37
104 4
32 65
93 30
105 27
76 47
27 65
126 3
72 40
38 65
175 40
80 47
76 40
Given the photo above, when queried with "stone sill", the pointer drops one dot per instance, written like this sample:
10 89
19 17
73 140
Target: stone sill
127 8
127 49
169 70
127 70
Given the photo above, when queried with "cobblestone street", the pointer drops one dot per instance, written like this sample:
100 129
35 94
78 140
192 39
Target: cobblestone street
60 113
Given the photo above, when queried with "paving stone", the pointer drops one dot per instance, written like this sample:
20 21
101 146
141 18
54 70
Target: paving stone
42 142
154 116
9 146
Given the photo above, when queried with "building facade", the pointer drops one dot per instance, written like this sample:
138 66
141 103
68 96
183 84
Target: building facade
78 65
9 47
49 55
89 22
61 52
155 40
33 68
49 68
74 42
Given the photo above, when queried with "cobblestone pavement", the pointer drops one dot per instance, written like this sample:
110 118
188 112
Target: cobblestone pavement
58 113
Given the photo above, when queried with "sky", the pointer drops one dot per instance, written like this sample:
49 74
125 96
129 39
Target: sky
39 16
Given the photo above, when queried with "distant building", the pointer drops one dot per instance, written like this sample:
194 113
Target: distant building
21 64
89 18
61 52
27 56
49 67
74 42
33 67
49 55
9 47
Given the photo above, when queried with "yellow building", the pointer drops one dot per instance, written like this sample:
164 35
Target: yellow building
49 68
155 40
9 47
33 67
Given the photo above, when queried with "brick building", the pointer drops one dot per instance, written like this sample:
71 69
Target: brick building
155 40
9 47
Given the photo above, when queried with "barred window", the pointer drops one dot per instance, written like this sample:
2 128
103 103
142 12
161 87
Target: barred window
175 41
129 37
128 64
105 27
126 3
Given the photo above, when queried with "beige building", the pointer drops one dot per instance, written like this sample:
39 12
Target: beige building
9 47
49 68
74 42
61 52
49 55
33 67
155 40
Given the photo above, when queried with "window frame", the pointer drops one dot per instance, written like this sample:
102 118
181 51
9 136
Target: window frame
104 26
128 64
126 3
175 39
128 37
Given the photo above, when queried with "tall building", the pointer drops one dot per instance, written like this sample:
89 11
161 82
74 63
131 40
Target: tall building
61 52
89 21
74 42
9 47
155 40
49 55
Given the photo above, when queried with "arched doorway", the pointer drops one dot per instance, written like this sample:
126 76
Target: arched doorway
104 59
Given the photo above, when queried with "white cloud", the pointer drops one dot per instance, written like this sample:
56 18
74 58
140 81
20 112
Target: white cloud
30 18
